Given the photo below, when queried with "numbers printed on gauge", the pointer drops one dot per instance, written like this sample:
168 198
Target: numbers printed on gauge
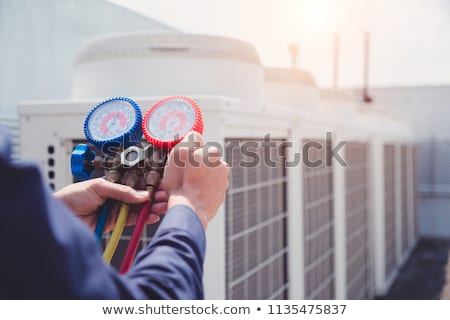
174 118
170 119
112 120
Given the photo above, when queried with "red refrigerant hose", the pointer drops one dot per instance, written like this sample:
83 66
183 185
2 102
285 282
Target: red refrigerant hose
153 179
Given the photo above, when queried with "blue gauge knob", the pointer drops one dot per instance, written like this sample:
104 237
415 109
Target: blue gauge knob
114 124
81 162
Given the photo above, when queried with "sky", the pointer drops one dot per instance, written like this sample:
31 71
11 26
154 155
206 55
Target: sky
409 39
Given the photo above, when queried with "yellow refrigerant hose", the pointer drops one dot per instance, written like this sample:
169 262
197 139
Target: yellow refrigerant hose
117 233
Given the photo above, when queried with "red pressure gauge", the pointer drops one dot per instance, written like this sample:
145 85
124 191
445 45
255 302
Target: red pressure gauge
169 120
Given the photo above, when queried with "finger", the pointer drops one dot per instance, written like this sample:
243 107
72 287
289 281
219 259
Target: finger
159 208
160 196
194 140
210 157
212 151
191 142
159 205
109 190
152 218
212 154
181 155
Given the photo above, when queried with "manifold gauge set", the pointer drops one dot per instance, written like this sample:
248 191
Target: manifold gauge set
131 148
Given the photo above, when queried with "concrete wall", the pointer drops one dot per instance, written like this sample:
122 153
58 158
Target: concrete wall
40 38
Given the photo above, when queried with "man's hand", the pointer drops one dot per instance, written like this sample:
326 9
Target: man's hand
197 177
85 198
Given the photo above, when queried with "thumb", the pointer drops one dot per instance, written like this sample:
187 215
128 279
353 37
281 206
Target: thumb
109 190
182 152
210 156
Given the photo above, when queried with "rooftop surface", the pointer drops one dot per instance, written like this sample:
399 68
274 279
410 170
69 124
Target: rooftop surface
423 276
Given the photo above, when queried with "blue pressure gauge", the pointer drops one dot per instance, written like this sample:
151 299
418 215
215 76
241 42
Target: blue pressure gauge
115 122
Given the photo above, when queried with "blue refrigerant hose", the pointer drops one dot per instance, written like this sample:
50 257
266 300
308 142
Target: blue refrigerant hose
101 222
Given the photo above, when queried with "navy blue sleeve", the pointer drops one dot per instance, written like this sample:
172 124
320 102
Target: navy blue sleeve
48 253
164 275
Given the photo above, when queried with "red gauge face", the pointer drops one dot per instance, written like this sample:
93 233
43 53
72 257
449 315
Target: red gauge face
175 123
169 120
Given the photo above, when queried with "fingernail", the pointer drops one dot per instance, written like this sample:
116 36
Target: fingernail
141 193
154 218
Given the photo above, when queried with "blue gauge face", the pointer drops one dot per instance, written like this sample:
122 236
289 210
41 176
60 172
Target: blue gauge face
174 118
114 123
112 120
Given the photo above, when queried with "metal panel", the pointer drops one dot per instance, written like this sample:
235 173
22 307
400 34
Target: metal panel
318 224
256 218
415 184
404 202
389 206
12 125
359 255
434 169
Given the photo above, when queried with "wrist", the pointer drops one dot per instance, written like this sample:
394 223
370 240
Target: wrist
177 199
